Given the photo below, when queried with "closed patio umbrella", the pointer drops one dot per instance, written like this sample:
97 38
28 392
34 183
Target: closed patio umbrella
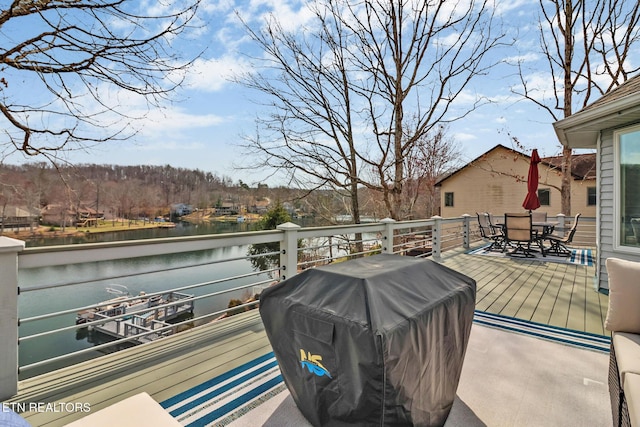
531 202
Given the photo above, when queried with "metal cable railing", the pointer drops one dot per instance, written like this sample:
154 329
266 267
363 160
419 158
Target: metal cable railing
319 245
132 324
137 336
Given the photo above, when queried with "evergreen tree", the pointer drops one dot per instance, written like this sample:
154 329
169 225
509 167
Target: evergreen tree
266 256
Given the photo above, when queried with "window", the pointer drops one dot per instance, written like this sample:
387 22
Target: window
591 196
544 195
627 196
448 199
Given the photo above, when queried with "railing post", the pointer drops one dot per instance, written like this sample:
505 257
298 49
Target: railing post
466 231
435 237
387 239
561 224
288 250
9 249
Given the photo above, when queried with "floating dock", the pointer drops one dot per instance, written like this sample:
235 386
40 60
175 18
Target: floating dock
142 315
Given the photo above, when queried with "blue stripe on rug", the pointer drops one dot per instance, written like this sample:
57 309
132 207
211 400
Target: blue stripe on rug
581 257
578 256
223 389
236 403
571 337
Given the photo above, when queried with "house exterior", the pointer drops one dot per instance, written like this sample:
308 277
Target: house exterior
16 217
496 182
181 209
611 125
60 215
227 208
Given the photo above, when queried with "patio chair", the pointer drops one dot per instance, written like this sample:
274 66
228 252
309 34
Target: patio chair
519 232
489 233
539 216
559 243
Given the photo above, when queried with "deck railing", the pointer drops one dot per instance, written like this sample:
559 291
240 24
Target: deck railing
282 253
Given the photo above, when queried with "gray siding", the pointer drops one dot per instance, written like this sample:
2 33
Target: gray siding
605 209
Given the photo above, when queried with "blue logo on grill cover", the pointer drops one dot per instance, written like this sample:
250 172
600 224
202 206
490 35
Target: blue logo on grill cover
313 362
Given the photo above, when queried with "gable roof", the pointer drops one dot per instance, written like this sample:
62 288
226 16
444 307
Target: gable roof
583 166
616 108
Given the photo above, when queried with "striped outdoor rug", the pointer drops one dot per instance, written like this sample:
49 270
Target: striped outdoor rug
224 399
578 256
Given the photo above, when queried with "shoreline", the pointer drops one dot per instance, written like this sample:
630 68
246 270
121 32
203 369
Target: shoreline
46 231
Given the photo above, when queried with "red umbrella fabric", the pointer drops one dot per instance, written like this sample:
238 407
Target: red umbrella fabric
531 202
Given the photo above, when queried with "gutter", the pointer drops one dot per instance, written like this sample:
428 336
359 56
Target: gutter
583 120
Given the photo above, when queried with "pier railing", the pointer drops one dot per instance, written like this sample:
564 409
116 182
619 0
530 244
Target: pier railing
244 263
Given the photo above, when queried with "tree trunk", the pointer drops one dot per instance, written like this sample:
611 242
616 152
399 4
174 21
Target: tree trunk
355 213
565 191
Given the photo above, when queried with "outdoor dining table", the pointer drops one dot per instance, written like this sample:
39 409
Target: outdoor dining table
547 227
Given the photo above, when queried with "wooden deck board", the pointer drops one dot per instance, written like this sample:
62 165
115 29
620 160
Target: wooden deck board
558 294
196 356
562 295
522 300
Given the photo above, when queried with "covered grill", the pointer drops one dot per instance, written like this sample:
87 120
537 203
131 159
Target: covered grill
375 341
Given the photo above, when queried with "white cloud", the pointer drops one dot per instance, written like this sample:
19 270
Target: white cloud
526 57
506 6
213 74
292 15
463 136
174 121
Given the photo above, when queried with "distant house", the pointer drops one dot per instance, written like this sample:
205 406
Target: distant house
227 208
86 217
181 209
260 206
18 217
60 215
496 182
611 125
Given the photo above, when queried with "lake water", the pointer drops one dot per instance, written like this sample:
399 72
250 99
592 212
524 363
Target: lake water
175 272
181 229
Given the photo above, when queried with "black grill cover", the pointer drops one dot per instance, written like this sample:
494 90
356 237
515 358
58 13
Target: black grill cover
375 341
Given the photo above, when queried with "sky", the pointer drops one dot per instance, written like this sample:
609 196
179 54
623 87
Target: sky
203 126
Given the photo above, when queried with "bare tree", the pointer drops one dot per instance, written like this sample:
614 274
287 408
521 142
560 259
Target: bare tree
342 88
429 159
82 59
586 45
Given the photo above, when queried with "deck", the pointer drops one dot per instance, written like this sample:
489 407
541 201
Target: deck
561 295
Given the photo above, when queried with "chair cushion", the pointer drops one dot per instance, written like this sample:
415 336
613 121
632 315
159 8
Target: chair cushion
627 348
623 314
632 395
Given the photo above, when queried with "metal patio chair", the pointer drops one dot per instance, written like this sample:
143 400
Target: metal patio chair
559 243
519 232
488 232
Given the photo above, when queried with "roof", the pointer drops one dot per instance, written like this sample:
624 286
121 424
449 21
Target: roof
583 166
616 108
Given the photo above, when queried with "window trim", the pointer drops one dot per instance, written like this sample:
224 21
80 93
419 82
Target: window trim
548 190
445 199
617 192
595 195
